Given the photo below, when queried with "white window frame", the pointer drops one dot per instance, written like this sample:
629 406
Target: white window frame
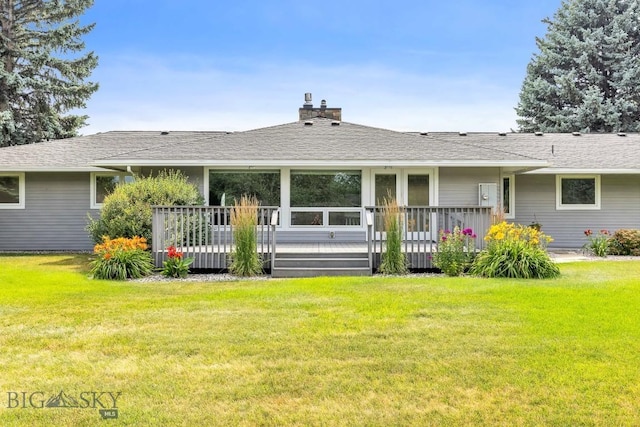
21 191
512 195
595 206
93 190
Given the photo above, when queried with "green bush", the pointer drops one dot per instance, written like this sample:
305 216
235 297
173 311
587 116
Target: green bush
127 211
456 250
625 242
121 259
393 260
515 251
245 260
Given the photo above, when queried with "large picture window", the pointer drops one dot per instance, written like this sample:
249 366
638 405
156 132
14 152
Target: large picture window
324 188
578 192
103 184
226 186
12 191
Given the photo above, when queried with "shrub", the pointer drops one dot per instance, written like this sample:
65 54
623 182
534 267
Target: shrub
121 258
515 251
245 260
598 244
456 251
393 260
127 211
625 242
176 265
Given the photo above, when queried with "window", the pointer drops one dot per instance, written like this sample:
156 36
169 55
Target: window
324 188
508 196
12 191
578 192
226 186
103 184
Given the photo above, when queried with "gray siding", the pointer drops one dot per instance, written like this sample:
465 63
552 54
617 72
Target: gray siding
459 186
536 199
55 214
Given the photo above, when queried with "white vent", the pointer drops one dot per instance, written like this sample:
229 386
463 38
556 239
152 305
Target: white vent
335 123
308 123
502 134
463 134
576 134
539 133
622 134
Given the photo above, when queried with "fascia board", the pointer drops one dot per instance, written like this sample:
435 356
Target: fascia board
321 163
53 169
569 171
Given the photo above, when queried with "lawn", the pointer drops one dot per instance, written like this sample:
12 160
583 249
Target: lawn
327 351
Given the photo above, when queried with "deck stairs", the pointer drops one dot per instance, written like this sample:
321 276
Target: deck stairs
315 264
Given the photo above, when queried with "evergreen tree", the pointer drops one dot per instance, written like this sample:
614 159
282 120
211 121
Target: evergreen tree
42 69
587 74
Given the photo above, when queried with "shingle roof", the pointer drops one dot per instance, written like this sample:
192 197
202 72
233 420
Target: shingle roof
78 153
326 142
321 141
591 151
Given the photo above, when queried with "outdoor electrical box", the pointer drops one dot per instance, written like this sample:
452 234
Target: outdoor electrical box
488 195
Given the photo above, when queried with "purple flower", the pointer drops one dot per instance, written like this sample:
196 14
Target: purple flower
467 232
444 238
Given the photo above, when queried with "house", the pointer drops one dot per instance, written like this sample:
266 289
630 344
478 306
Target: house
323 172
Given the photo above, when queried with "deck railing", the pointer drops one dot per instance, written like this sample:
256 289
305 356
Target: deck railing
422 225
205 234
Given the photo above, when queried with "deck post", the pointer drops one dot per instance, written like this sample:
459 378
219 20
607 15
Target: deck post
369 219
274 224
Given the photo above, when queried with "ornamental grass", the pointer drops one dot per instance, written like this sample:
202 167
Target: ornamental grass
245 260
394 260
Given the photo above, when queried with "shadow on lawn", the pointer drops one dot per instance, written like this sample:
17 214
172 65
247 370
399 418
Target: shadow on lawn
78 261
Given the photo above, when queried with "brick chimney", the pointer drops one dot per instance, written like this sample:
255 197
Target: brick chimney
309 112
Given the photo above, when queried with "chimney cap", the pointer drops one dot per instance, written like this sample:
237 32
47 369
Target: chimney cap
307 100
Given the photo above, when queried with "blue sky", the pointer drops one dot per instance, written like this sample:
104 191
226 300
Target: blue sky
418 65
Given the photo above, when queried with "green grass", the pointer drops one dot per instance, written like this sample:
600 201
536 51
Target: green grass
327 351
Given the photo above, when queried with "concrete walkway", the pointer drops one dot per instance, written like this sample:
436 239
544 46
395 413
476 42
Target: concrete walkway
560 256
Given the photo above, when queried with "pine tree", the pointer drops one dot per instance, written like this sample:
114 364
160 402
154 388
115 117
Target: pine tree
43 69
587 74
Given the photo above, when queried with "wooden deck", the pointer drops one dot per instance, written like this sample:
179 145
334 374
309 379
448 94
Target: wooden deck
204 234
